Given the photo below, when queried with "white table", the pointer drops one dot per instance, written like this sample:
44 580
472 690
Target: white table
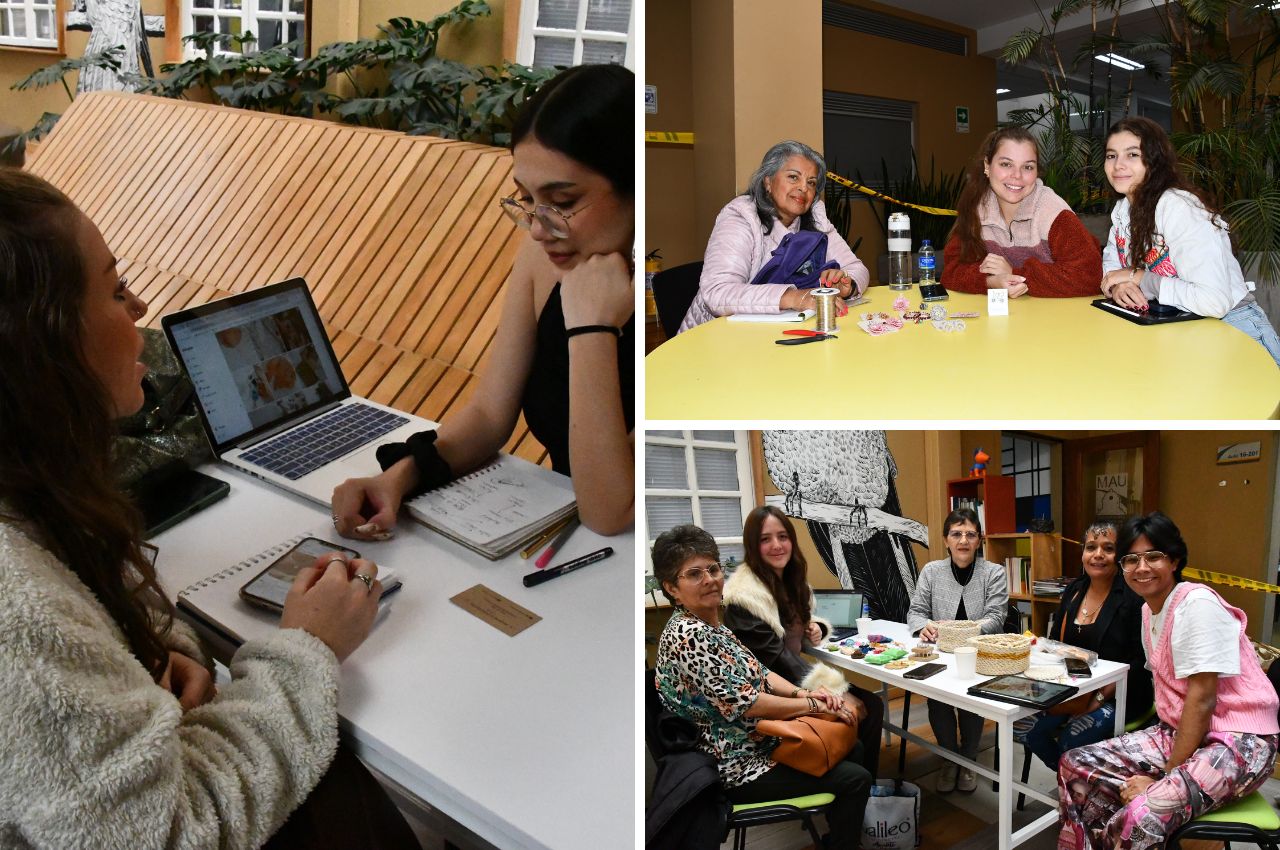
949 688
526 741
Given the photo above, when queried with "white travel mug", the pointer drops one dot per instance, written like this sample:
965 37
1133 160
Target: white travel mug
966 662
864 626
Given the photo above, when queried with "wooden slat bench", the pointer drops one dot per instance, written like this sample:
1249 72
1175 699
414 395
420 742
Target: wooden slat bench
399 237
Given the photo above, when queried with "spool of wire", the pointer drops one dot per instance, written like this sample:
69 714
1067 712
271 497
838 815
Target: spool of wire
825 298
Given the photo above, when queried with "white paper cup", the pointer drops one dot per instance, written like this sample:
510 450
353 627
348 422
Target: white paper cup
966 662
864 626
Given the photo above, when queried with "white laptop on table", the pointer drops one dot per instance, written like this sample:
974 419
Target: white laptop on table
271 393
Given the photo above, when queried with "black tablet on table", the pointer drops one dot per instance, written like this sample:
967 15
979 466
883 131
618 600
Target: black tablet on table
1156 314
1020 690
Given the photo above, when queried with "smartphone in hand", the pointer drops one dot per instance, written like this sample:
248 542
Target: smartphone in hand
268 588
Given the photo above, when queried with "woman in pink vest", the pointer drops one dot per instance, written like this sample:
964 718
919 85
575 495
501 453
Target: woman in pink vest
1217 736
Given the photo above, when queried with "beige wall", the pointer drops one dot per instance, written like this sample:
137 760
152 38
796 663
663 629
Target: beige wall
1227 527
937 82
670 223
717 68
479 43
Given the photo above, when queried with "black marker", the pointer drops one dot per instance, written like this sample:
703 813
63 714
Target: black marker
551 572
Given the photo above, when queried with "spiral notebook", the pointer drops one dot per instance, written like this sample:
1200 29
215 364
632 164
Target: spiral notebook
498 508
214 603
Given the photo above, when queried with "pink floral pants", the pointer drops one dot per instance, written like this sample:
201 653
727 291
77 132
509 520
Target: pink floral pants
1228 765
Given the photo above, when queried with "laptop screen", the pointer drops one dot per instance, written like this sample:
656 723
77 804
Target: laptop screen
841 608
257 360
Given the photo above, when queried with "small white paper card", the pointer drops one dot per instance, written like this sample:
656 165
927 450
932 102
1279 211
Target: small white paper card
997 302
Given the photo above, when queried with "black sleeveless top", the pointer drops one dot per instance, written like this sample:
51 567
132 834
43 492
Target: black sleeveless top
546 395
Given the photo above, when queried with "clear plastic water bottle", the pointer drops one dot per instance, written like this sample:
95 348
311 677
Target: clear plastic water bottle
899 251
926 263
866 608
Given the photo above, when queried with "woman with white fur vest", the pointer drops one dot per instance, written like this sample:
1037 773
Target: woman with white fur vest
769 607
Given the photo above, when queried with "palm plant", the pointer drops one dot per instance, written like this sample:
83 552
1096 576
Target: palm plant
940 190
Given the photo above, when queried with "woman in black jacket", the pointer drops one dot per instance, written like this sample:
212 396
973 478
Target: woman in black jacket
769 607
1098 611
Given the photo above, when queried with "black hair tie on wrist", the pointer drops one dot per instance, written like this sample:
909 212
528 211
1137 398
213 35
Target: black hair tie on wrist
593 329
433 470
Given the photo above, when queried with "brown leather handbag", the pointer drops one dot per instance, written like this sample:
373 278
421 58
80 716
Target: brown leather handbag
811 745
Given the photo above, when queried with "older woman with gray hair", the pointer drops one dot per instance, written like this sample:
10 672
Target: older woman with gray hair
708 677
782 198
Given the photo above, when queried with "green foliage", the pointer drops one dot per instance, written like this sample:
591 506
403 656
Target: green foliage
397 79
940 190
108 59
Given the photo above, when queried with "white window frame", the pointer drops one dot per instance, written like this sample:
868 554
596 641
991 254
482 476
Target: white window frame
249 15
741 447
28 8
529 30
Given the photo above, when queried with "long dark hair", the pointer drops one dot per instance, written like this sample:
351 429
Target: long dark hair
791 591
968 226
587 113
1160 162
55 417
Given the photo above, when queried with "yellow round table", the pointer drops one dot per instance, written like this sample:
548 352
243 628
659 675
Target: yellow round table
1050 358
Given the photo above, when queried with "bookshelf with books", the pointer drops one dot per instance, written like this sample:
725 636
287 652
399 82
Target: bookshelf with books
1033 564
990 496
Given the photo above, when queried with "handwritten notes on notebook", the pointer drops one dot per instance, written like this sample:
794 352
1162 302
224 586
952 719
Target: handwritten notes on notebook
497 508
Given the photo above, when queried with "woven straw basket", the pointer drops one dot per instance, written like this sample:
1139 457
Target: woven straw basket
1001 654
953 633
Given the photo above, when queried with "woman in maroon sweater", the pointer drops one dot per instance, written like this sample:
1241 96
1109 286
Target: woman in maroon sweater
1012 232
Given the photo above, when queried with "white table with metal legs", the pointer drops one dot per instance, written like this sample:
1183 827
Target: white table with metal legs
948 687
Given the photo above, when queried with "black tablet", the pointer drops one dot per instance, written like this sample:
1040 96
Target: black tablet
1023 691
1156 314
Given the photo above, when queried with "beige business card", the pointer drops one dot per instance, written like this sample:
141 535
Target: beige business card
498 611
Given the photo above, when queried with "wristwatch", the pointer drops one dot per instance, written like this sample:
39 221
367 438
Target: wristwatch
1100 697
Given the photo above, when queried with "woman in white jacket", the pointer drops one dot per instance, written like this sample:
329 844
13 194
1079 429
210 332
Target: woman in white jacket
1167 241
115 736
781 198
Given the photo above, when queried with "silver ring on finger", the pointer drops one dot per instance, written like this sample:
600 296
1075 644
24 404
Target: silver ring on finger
335 520
367 579
336 559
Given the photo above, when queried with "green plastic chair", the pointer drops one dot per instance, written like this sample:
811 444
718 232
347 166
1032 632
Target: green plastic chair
747 815
1249 819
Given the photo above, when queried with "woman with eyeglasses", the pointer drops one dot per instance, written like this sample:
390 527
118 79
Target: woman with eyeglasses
964 586
770 607
783 200
1217 736
564 352
1098 612
706 675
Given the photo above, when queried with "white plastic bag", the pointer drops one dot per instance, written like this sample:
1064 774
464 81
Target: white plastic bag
893 816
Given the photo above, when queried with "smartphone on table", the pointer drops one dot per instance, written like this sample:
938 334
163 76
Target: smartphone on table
268 588
1078 667
924 671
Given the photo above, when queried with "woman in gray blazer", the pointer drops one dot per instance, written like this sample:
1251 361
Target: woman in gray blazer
961 587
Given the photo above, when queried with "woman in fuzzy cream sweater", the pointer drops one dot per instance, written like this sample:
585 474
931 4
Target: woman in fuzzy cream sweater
115 736
769 607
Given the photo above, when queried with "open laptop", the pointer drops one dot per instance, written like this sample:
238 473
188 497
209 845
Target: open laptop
840 608
271 394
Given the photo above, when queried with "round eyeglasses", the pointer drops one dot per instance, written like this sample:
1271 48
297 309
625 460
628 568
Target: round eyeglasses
553 220
1153 558
698 575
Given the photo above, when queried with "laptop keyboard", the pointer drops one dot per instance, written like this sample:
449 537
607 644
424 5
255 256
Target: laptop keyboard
324 439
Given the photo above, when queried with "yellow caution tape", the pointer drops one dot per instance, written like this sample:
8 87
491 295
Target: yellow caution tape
1217 578
668 138
671 138
1230 580
873 193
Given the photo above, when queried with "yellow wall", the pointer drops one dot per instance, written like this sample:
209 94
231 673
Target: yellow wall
479 43
719 74
669 169
937 82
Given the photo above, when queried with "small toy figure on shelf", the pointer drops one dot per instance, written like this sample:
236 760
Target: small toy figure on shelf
980 459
